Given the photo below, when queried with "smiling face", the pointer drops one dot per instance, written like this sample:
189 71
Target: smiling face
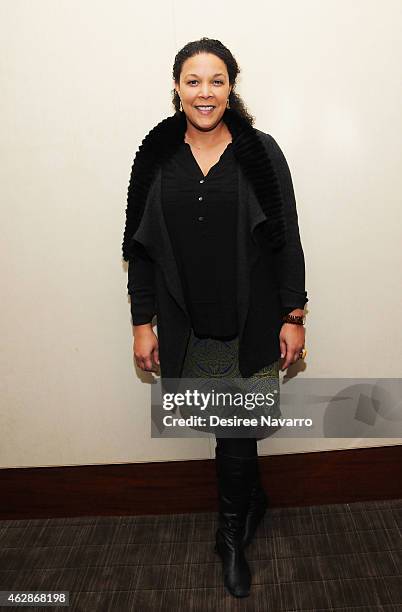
204 82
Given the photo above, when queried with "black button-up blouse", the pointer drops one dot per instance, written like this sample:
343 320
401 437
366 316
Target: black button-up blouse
201 217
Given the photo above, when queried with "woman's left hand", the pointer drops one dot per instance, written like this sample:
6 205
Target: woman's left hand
292 339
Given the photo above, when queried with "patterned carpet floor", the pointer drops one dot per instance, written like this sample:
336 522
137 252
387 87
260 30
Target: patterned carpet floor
343 557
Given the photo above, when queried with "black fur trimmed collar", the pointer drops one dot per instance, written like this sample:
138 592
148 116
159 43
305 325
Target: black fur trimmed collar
162 142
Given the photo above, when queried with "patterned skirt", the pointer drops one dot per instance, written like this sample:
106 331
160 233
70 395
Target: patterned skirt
214 364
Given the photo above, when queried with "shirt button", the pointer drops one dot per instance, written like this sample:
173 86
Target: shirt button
200 198
200 218
202 180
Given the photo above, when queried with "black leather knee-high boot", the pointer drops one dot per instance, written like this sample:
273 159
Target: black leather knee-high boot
256 511
235 478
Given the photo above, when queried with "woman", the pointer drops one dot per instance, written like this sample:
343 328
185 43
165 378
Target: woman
214 251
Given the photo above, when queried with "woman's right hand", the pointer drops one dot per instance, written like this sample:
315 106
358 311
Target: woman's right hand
146 348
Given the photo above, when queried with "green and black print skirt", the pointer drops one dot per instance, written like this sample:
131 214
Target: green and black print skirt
211 366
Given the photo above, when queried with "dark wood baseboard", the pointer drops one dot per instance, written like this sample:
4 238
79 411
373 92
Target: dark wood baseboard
300 479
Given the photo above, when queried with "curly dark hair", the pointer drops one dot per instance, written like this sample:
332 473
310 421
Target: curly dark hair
211 45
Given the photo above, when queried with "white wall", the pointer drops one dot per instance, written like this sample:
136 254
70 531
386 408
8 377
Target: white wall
82 82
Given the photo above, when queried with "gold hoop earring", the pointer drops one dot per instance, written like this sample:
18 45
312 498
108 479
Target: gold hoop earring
181 106
227 103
